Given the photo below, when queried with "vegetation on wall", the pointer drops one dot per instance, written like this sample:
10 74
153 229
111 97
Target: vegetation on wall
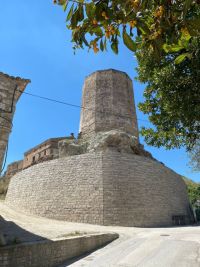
194 194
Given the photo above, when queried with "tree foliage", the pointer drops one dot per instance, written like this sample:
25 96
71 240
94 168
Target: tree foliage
160 24
193 190
165 35
194 155
172 97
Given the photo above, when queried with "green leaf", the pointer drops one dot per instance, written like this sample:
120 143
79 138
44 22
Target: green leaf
114 47
90 10
105 44
186 7
185 35
193 26
128 41
61 2
85 41
142 27
65 6
172 48
98 31
101 45
182 57
75 19
81 13
70 13
98 11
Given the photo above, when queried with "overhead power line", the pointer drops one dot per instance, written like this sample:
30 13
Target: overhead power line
54 101
75 105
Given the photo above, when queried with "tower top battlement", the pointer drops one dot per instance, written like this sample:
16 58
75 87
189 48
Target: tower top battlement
108 104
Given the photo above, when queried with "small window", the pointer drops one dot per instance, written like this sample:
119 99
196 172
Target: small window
33 158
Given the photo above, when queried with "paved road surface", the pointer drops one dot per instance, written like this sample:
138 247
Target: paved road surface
136 247
162 248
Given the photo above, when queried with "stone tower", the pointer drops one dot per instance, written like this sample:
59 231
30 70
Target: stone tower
11 89
108 104
104 176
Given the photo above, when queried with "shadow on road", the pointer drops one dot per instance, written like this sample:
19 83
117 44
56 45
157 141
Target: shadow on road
14 234
73 260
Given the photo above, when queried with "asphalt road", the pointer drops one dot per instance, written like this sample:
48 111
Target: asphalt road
162 247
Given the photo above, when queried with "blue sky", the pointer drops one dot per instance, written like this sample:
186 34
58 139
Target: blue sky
35 44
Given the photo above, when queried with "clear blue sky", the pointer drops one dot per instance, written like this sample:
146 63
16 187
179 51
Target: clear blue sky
35 44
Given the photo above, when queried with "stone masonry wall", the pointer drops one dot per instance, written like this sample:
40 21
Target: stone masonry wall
69 189
140 191
106 187
51 253
108 103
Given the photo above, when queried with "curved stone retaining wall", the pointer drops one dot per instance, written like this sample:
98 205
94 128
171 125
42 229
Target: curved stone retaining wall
108 188
52 253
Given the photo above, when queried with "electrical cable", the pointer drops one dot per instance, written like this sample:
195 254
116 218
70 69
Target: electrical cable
76 106
55 101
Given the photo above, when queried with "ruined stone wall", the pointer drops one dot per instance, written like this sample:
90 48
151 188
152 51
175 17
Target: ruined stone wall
108 103
14 168
9 96
45 151
106 187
